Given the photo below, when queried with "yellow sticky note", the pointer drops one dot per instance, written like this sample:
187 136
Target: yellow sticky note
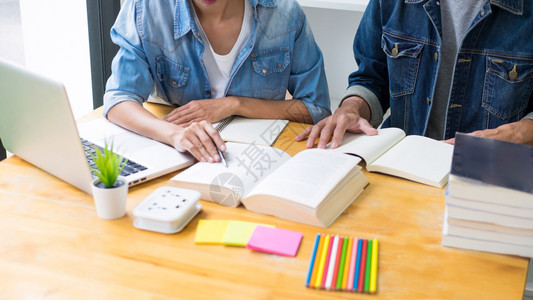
210 231
239 232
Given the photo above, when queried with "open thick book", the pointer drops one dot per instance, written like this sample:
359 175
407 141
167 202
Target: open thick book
412 157
314 187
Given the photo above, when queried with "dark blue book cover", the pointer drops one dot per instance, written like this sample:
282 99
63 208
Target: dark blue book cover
494 162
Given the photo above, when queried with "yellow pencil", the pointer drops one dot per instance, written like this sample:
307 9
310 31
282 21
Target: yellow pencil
374 267
325 246
317 260
347 265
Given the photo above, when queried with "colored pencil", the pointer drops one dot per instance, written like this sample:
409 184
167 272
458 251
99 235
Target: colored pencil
374 267
347 262
340 275
322 262
353 261
327 263
331 266
368 266
361 284
312 264
357 264
337 261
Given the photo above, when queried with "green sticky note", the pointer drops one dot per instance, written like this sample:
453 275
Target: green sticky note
239 232
210 231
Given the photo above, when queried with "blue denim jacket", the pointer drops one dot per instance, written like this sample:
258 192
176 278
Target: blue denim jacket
160 47
397 49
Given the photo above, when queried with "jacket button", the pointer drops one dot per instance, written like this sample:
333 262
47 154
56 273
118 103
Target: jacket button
513 74
428 101
264 71
436 56
279 67
208 92
174 82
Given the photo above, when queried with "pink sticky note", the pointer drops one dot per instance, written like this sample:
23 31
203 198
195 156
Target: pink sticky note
275 240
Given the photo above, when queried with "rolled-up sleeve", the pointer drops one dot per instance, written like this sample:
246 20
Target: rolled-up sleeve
307 81
130 79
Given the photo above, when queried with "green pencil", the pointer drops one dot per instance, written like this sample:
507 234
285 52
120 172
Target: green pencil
340 275
368 263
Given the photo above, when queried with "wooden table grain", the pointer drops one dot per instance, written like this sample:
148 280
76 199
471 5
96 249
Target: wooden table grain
53 246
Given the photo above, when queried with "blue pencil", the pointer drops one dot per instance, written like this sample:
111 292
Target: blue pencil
357 264
311 265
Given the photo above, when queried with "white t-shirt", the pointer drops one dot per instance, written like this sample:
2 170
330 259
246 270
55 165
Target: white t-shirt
219 67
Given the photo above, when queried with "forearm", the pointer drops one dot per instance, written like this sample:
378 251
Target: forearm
134 117
292 110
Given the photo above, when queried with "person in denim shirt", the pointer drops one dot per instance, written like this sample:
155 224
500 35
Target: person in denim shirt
213 59
441 66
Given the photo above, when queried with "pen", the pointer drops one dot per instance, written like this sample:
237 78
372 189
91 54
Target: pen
222 157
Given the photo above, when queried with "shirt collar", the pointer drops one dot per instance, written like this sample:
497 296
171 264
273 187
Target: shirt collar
513 6
184 20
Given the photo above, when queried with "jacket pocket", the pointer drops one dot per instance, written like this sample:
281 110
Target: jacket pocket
507 87
271 73
403 60
173 78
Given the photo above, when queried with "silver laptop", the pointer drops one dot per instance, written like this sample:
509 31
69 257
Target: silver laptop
36 124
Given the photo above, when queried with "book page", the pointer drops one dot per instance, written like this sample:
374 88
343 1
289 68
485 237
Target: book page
253 131
248 164
308 177
417 158
370 147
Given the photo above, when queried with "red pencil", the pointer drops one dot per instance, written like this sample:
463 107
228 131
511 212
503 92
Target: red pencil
361 284
323 284
337 260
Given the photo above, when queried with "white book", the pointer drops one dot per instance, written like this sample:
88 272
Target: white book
416 158
491 232
501 208
313 187
465 188
458 212
480 244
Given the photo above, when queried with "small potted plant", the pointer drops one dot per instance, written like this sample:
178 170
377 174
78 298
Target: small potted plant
110 190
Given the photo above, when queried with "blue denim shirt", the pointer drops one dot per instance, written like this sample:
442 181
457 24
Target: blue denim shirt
397 48
160 47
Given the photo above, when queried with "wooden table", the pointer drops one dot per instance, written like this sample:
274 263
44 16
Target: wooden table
52 245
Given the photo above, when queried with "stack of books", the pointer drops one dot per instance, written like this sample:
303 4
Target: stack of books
489 198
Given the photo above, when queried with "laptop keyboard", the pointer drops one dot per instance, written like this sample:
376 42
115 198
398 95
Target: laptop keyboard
130 168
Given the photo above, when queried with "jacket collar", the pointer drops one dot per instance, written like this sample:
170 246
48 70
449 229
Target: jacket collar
513 6
184 19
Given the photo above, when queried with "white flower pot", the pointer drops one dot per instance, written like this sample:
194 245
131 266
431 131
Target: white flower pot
110 203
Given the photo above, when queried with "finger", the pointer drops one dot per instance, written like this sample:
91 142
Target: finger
173 115
215 135
365 127
207 142
199 139
325 135
338 134
450 141
189 146
304 134
315 133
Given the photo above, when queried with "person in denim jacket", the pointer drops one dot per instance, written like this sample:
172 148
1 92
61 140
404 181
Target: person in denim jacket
213 59
441 66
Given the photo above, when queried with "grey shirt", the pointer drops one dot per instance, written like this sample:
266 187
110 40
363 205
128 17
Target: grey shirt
456 18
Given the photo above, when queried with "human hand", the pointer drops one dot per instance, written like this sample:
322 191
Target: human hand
517 132
201 140
345 118
210 110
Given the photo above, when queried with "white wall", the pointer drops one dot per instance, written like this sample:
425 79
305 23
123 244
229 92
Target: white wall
56 44
334 30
